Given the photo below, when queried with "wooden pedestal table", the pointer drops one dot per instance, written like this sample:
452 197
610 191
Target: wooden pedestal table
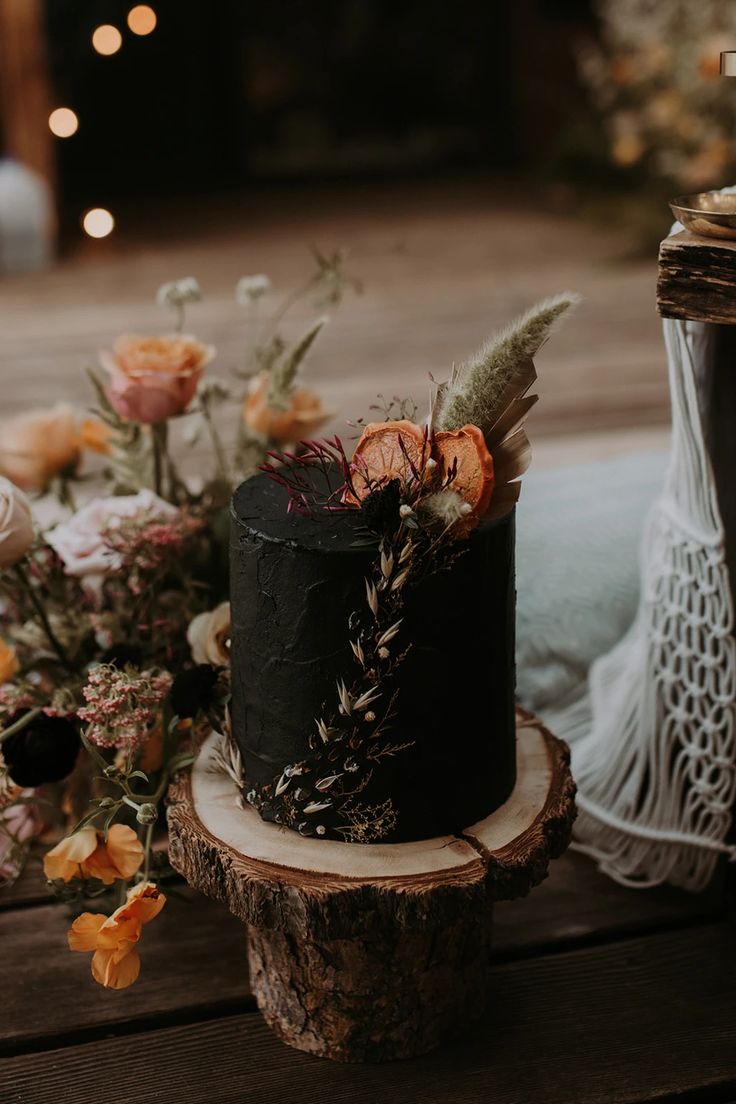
370 952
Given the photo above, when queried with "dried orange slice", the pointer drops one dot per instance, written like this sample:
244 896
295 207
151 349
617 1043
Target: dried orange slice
379 456
474 479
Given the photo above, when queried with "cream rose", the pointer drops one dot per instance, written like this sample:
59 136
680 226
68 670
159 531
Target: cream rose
154 378
38 445
16 524
209 636
79 542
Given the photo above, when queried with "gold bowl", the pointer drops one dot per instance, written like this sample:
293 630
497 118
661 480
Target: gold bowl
712 214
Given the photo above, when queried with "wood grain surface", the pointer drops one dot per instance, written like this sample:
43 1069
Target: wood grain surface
697 279
640 1020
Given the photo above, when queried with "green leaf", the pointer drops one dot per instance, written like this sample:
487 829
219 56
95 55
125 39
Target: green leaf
284 374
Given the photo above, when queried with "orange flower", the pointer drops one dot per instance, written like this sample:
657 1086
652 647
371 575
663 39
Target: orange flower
38 445
154 378
474 479
9 665
386 451
86 854
304 416
95 435
115 962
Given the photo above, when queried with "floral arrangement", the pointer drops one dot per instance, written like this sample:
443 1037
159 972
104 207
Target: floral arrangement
114 615
420 491
653 76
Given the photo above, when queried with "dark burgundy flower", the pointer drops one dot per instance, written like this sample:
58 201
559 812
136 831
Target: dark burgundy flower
381 508
44 751
194 690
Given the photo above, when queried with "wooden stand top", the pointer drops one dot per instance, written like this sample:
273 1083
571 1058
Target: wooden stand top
697 278
270 876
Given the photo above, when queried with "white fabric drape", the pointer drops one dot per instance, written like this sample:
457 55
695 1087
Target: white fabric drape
656 767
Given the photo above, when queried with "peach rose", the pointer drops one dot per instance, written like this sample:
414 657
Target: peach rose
115 962
96 436
16 524
304 416
9 665
38 445
154 378
86 854
209 636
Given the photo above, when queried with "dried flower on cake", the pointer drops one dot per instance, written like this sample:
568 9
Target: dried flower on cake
113 939
154 378
386 451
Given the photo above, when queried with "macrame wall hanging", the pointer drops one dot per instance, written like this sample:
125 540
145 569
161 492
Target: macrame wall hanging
656 770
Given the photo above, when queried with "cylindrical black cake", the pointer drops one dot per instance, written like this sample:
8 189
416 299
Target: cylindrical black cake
296 586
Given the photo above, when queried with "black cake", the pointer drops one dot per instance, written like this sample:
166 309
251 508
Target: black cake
296 585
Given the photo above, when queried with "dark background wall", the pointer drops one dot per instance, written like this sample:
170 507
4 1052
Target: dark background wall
224 93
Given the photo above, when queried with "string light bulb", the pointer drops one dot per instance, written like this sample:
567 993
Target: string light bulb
106 39
98 222
63 122
142 19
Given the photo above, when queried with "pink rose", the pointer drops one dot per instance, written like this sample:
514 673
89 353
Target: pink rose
154 378
80 542
38 445
16 524
19 825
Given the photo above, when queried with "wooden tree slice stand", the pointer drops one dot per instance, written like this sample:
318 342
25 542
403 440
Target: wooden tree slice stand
370 952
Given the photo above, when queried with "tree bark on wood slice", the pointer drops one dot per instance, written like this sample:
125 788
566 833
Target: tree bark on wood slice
370 952
697 279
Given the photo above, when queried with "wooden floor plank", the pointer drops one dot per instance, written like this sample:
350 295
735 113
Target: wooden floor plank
442 264
193 959
578 904
194 955
641 1020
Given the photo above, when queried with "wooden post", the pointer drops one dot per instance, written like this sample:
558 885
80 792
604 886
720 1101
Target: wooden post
25 94
370 952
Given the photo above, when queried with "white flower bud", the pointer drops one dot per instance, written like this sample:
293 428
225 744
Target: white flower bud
251 288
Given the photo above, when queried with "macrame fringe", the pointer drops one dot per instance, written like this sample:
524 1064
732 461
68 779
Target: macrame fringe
656 770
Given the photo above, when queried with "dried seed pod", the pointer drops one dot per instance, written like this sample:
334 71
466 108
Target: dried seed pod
389 634
283 782
324 784
316 807
372 596
400 579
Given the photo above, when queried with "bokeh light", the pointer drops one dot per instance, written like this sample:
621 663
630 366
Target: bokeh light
141 19
98 223
107 39
63 122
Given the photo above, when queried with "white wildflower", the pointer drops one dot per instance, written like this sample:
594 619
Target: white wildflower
179 292
249 289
